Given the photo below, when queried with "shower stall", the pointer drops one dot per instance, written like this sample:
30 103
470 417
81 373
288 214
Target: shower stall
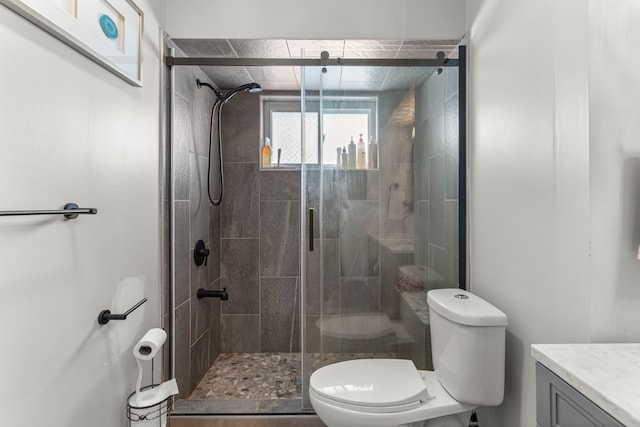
323 256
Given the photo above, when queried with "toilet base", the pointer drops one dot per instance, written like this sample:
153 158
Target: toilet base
455 420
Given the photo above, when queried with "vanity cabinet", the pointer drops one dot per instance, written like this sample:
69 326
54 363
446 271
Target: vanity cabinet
560 405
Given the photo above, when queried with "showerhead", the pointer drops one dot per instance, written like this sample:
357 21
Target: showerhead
249 87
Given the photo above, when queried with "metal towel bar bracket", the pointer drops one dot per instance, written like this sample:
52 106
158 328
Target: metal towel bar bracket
105 315
70 211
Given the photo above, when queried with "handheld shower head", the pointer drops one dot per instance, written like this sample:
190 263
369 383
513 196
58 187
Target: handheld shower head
219 103
249 87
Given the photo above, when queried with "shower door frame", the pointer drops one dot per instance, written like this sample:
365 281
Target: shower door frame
172 61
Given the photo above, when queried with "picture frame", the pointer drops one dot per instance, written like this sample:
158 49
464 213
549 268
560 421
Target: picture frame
109 32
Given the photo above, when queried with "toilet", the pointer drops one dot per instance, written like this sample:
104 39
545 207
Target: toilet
467 342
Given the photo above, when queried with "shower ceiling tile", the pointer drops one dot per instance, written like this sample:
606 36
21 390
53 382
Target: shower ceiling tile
364 74
330 79
427 53
428 43
265 75
361 86
294 86
218 48
385 49
426 48
313 48
246 48
403 78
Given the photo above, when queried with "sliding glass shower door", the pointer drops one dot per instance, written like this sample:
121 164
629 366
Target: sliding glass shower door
380 209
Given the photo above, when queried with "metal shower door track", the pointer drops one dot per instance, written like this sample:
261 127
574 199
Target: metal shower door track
266 62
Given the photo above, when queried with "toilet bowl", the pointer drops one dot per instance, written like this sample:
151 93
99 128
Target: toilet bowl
467 341
380 393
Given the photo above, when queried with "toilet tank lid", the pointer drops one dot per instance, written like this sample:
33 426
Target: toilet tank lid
465 308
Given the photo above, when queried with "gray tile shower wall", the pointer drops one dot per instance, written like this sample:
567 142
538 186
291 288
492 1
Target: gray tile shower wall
197 322
241 197
260 222
411 201
280 314
260 229
240 263
436 165
279 238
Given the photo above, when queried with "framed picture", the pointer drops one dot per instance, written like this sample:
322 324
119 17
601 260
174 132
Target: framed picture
108 32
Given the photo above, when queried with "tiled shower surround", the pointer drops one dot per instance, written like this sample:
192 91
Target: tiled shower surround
197 322
377 223
260 222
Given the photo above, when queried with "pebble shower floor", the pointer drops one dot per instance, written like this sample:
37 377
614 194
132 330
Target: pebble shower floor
257 382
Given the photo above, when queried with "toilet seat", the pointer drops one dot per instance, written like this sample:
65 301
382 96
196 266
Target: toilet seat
373 385
340 412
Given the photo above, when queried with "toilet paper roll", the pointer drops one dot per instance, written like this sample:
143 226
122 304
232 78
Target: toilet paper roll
150 344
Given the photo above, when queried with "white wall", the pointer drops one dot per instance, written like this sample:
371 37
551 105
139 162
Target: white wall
73 132
529 179
327 19
615 169
554 175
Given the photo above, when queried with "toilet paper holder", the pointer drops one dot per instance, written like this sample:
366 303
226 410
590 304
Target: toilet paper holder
105 315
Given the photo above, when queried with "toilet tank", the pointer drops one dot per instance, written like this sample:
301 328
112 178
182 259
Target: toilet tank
467 346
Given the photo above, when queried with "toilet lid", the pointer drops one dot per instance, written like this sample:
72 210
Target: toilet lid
370 382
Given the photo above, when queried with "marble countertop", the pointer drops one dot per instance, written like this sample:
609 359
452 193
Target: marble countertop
607 374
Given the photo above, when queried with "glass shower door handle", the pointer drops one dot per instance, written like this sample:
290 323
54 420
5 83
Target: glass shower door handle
311 230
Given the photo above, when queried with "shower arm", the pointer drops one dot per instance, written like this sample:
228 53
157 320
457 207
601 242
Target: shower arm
200 83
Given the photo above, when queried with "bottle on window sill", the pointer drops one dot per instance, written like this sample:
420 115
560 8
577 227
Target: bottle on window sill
351 154
362 156
266 153
373 154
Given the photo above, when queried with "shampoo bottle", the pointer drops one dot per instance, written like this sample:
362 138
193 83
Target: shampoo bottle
373 154
362 157
345 159
266 153
351 154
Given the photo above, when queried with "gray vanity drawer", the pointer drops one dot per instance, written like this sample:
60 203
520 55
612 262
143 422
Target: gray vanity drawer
560 405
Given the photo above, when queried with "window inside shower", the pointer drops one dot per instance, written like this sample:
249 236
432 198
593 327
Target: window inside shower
382 237
343 120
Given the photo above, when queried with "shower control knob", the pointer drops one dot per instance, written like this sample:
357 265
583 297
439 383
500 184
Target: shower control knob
200 253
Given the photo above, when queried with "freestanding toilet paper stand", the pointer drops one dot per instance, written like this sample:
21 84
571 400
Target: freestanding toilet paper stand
154 415
148 406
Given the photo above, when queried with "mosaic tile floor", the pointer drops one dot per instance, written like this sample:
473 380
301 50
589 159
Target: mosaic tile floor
263 376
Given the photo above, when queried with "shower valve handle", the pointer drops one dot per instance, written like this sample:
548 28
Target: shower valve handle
200 253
